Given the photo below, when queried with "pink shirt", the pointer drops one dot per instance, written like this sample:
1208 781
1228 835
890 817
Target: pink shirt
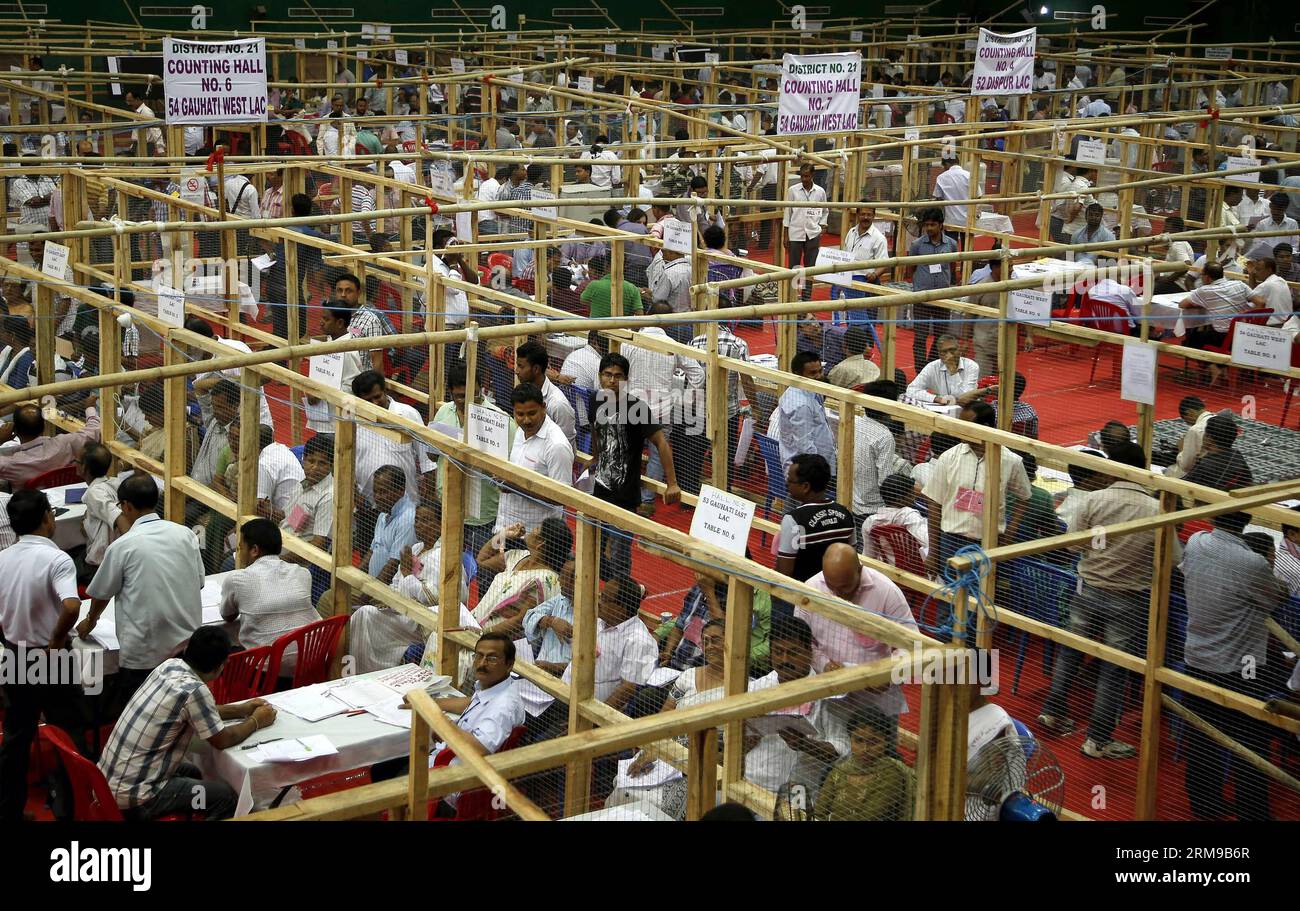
835 642
36 457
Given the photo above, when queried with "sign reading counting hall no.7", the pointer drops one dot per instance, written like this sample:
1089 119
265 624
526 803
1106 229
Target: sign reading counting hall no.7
819 93
215 81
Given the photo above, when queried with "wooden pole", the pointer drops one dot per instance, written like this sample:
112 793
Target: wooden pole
586 583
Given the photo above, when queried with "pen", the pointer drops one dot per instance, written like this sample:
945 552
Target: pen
354 712
260 742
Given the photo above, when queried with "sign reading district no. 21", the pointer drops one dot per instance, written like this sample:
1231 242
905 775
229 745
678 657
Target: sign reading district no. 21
215 81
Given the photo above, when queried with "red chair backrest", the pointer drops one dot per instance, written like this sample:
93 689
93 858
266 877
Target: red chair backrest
1257 317
68 474
316 644
246 674
895 545
476 805
504 260
922 451
1103 315
92 800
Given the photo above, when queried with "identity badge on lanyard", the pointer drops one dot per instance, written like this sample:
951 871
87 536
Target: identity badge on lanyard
971 499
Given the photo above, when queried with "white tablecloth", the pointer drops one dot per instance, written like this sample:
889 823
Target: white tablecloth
361 740
68 532
211 600
1166 312
1047 266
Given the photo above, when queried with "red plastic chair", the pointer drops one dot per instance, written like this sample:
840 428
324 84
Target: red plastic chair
316 644
246 674
1256 317
476 805
895 545
92 800
1107 317
58 477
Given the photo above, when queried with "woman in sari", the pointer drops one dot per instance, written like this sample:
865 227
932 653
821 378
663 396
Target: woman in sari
525 577
379 635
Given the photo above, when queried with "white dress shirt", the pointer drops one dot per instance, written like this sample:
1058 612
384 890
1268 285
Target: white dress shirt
154 573
583 365
866 245
491 715
934 380
651 375
560 411
626 652
1276 295
547 452
804 223
279 475
100 500
771 763
1112 292
907 517
487 192
270 597
953 183
240 202
36 577
960 470
375 449
316 503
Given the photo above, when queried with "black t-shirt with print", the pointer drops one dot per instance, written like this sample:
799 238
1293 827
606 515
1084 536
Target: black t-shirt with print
621 426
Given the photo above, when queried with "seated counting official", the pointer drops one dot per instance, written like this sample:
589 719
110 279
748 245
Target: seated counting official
269 596
870 784
144 760
791 756
37 453
900 509
950 379
379 635
488 715
626 652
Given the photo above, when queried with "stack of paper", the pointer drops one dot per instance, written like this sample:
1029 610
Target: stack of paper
360 694
293 749
391 713
412 677
105 633
311 703
659 773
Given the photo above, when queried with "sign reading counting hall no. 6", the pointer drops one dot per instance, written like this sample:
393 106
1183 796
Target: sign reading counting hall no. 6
215 81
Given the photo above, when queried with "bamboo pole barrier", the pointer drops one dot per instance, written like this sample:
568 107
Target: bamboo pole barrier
468 752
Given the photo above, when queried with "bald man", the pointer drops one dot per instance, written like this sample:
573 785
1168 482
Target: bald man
844 576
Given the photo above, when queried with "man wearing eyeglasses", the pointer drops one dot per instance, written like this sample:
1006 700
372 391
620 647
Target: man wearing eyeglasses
488 715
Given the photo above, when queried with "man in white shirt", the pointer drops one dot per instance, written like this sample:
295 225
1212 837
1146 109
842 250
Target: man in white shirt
804 225
626 653
955 490
153 136
375 448
540 446
269 596
1254 208
1044 80
1271 291
38 607
154 575
531 364
1193 413
864 242
279 473
950 380
791 756
488 191
1278 220
1067 212
455 302
953 182
103 521
1217 298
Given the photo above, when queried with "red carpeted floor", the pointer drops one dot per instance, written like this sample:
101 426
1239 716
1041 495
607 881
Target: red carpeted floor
1070 406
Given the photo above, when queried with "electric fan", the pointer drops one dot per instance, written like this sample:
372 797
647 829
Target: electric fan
1014 779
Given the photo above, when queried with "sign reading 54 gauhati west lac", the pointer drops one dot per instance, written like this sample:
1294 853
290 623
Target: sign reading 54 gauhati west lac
819 93
215 81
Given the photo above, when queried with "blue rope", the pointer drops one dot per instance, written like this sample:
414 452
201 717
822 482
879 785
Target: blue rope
972 580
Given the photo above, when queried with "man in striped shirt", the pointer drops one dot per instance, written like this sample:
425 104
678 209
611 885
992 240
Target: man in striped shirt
144 761
367 322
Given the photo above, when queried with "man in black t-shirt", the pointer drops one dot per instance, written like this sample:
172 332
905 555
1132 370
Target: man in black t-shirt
621 427
812 526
